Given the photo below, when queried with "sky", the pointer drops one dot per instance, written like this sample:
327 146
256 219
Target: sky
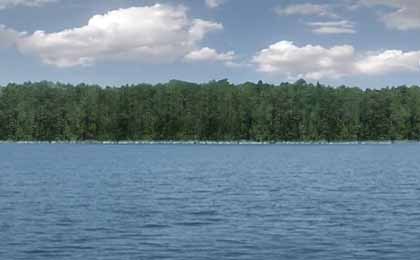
364 43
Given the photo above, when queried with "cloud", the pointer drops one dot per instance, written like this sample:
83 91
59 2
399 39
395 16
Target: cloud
12 3
229 59
316 62
404 14
214 3
333 27
311 62
306 9
200 28
8 37
208 54
389 61
158 33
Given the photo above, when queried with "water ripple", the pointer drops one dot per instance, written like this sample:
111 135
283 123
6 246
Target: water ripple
176 202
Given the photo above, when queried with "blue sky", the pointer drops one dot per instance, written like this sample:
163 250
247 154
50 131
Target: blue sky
366 43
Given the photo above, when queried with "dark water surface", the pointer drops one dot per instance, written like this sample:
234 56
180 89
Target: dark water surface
210 202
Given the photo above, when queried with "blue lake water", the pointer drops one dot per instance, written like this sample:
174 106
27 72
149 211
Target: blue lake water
210 202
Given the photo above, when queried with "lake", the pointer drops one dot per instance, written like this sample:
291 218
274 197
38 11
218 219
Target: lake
209 202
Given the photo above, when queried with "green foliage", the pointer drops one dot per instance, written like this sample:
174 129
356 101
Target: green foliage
217 110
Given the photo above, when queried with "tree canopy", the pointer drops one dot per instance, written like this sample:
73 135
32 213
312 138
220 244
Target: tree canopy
217 110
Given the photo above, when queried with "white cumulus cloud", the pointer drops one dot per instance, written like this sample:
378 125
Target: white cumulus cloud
158 33
310 61
208 54
389 61
200 28
316 62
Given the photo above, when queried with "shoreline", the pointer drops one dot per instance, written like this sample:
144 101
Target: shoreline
214 142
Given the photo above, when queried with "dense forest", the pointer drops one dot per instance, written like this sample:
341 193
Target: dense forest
216 110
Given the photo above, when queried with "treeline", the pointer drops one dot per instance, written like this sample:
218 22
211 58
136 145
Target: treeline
217 110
